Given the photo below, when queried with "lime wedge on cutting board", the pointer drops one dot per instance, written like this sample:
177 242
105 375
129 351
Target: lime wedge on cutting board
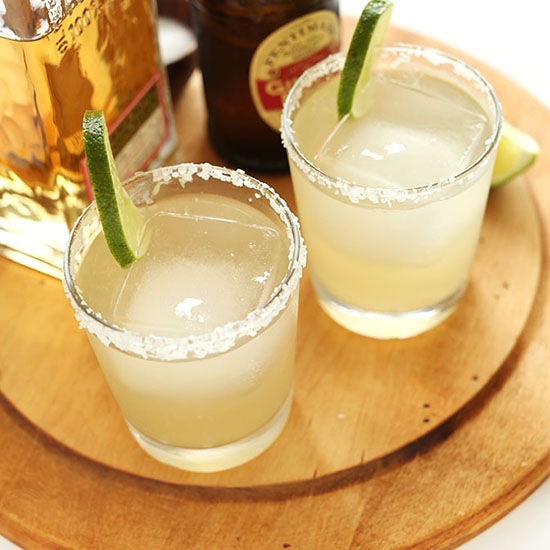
122 224
354 96
516 152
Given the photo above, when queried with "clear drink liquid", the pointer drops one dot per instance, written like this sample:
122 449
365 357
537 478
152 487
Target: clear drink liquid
421 130
211 261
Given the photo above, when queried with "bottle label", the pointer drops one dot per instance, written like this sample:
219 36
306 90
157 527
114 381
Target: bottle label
284 55
138 133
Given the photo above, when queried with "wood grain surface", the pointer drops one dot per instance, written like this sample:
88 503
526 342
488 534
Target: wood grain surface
356 399
379 477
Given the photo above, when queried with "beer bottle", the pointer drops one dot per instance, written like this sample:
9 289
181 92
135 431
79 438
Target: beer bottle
250 54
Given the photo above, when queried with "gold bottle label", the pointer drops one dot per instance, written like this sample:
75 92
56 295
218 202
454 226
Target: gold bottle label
284 55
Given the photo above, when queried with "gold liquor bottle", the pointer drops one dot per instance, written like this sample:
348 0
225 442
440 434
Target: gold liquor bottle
59 58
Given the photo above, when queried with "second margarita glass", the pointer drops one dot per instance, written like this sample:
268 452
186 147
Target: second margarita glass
391 204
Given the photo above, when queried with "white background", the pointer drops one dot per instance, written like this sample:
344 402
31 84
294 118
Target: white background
513 37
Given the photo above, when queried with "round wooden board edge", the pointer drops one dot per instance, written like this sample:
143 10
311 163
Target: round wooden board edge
462 531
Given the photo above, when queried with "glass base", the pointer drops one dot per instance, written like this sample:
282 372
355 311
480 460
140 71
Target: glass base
217 458
386 325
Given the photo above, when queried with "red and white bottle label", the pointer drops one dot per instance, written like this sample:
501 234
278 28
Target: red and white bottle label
138 133
284 55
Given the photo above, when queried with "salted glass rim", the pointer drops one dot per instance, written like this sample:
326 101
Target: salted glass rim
378 195
220 339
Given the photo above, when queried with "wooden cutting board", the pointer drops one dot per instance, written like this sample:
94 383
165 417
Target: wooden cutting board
414 444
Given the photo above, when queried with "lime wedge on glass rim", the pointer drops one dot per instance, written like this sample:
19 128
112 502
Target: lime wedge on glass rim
354 93
122 224
516 152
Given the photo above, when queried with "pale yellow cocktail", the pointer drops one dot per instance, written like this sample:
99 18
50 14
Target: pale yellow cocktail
197 338
391 204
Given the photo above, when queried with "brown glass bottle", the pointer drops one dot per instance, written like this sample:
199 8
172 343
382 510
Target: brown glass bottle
250 53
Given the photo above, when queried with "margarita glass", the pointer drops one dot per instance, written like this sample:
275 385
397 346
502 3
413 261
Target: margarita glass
391 204
197 338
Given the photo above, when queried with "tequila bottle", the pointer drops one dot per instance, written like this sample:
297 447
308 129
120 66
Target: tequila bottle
59 58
